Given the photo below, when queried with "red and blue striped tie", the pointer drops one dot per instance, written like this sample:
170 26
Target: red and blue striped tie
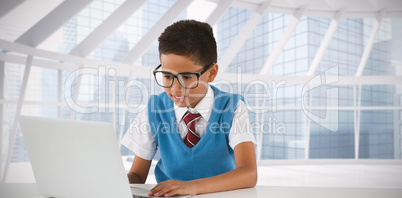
192 137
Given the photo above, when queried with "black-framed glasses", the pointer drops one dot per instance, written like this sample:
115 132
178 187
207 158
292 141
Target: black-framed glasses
188 80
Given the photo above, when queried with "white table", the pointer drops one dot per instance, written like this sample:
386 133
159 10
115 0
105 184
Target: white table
29 190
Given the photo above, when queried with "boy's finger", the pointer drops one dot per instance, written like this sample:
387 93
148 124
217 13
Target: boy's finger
155 189
166 190
172 193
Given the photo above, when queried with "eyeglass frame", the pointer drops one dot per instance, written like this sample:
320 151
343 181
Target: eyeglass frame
198 74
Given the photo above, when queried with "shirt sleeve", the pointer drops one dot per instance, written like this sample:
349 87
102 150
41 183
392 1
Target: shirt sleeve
138 137
241 130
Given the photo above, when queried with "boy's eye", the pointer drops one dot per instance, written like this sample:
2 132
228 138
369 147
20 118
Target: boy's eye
187 77
167 76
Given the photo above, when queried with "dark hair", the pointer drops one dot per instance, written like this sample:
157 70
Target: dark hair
189 38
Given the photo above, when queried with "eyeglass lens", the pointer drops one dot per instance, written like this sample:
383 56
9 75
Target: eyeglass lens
166 79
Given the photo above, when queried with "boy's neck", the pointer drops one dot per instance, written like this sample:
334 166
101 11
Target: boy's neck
194 105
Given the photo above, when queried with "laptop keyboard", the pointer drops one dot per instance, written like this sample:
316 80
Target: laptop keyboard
139 196
139 192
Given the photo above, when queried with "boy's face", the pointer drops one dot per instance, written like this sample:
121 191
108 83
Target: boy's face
183 97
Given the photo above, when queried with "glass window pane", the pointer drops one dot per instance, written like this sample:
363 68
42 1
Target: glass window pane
376 135
325 143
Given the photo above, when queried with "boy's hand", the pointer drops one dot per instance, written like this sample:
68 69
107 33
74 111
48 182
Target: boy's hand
173 187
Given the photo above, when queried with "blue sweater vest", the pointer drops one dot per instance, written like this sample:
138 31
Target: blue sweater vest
211 156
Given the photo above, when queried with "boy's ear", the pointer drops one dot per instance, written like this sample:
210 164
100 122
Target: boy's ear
213 71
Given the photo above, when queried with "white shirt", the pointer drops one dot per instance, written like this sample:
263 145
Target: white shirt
139 139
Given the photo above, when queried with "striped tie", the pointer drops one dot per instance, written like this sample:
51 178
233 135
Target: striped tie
192 137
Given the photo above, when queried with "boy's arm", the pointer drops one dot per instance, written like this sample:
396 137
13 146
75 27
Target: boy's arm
245 175
139 170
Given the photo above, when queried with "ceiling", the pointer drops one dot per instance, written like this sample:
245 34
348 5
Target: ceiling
327 8
25 24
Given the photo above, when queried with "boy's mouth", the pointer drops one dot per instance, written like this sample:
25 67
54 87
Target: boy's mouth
179 99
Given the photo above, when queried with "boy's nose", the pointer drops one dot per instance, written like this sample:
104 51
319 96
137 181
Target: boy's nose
176 86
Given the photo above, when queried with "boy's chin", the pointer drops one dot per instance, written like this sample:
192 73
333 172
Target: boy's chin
181 104
185 103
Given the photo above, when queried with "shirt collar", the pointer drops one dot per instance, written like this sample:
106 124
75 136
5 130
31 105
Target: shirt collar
203 107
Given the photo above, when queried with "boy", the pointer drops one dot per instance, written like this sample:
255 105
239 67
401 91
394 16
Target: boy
196 127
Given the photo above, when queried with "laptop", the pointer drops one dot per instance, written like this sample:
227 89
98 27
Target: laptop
74 158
